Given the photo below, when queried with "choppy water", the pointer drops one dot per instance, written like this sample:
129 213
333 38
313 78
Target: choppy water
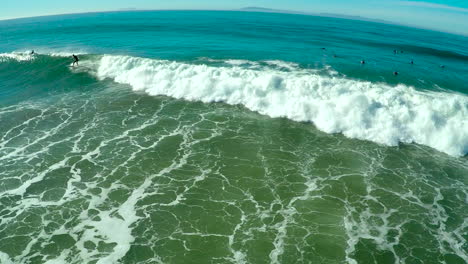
229 137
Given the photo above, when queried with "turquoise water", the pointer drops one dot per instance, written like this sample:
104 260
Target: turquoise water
231 137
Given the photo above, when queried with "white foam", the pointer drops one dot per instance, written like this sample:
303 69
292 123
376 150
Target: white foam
358 109
240 62
64 52
235 62
17 56
283 64
27 56
4 258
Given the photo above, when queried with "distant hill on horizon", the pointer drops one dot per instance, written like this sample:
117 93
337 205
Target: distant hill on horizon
270 10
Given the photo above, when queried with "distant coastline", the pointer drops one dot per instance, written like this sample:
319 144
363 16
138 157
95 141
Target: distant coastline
269 10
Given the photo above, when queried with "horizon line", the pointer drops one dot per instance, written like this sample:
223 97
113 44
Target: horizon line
244 9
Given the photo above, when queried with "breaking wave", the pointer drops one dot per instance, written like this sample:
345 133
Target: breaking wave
370 111
358 109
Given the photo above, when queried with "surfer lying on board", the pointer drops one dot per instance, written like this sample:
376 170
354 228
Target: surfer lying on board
76 60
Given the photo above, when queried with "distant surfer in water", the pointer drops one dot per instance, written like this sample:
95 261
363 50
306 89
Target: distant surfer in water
32 52
395 73
363 62
412 62
76 60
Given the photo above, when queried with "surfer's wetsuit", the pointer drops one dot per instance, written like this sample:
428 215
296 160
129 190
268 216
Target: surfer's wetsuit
76 59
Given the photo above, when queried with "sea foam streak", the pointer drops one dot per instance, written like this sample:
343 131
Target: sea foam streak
358 109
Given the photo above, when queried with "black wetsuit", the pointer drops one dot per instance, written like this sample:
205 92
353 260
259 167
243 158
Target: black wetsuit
76 60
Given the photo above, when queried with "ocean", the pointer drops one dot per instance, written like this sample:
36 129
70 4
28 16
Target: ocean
231 137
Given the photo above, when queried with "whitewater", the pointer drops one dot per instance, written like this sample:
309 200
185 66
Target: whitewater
334 104
364 110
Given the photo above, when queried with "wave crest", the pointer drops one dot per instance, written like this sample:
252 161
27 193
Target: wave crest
358 109
16 56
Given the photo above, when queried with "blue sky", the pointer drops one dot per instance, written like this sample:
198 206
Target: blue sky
444 15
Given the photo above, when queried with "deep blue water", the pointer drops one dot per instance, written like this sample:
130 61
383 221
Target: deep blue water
188 35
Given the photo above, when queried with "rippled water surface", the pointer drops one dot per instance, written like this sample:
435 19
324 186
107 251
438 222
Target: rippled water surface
228 137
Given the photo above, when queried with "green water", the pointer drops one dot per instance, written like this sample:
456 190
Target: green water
152 179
